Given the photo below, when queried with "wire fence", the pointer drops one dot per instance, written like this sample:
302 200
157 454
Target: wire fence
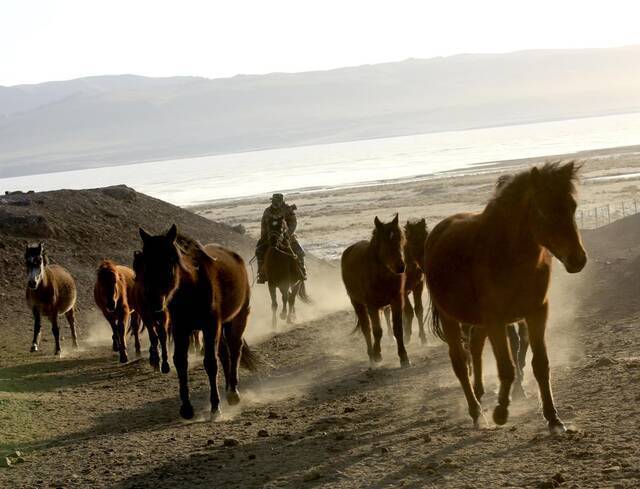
594 217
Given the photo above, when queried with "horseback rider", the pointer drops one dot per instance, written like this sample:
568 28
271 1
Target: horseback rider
279 209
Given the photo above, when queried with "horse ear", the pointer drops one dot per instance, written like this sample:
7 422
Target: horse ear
535 176
144 235
570 169
172 234
395 219
423 221
378 223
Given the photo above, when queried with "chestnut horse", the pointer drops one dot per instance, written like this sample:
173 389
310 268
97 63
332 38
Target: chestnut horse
373 274
201 288
283 272
51 291
114 296
493 268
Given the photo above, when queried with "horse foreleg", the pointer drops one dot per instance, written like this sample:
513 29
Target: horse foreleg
536 324
523 333
154 357
71 319
181 362
284 290
514 343
398 330
506 370
211 337
115 345
291 316
37 324
419 310
407 314
274 306
476 345
458 356
121 323
365 326
56 333
162 335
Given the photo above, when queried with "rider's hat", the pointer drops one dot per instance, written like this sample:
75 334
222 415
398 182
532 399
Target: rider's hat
277 198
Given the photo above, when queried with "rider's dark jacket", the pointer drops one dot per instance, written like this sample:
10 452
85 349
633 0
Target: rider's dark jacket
286 211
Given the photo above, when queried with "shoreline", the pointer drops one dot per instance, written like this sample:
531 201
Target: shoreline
474 169
331 219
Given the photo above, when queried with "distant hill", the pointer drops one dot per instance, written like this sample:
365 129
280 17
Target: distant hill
102 121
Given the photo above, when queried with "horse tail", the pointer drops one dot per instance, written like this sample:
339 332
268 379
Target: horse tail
360 310
436 321
302 293
249 359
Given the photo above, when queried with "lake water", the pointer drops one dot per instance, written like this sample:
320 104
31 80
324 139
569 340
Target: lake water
190 181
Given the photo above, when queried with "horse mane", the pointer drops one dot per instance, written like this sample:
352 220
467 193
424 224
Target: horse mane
553 174
192 253
107 268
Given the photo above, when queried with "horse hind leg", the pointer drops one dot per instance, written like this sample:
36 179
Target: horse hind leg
181 362
135 327
407 319
419 311
234 333
56 334
376 328
459 358
514 343
365 326
477 341
71 319
122 338
506 370
154 357
37 324
211 337
387 319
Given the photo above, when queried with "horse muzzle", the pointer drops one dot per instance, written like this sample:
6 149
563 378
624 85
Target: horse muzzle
576 262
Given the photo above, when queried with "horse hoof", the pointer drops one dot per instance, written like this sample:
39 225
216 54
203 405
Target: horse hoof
138 353
124 358
215 414
405 363
556 427
165 368
75 345
34 348
156 367
57 353
377 357
500 415
480 422
233 398
186 411
518 392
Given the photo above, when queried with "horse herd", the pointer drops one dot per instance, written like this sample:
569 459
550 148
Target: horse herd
484 272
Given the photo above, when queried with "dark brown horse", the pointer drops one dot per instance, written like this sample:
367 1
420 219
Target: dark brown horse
493 268
373 274
283 272
51 291
416 235
114 296
201 288
157 324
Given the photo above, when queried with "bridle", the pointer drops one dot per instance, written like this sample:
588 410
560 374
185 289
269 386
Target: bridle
278 234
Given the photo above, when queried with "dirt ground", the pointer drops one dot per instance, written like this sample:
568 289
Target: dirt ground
318 416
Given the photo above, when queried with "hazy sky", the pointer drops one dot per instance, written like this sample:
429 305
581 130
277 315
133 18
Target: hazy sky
44 40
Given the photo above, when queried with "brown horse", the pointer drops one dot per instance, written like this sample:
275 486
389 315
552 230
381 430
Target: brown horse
201 288
493 268
51 291
157 324
114 296
373 274
283 272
